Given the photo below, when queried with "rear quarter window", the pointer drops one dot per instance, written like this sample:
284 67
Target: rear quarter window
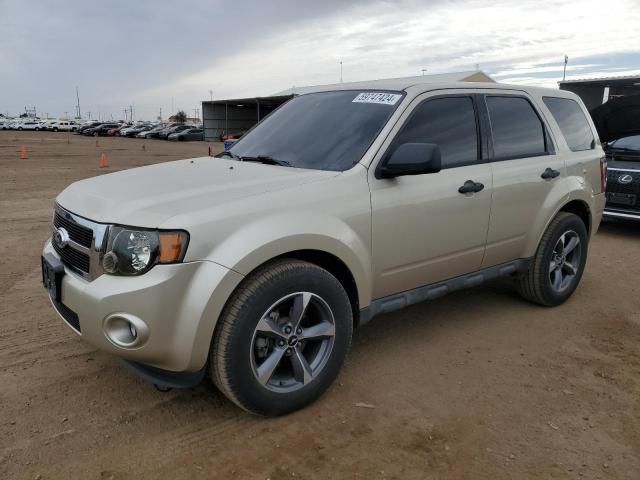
572 122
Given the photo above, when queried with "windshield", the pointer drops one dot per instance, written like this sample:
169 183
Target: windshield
321 131
627 143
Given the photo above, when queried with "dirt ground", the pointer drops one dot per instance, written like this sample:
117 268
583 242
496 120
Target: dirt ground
476 385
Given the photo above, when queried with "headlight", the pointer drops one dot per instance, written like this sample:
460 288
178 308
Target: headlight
133 252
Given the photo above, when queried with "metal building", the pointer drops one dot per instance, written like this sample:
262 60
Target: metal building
596 91
221 117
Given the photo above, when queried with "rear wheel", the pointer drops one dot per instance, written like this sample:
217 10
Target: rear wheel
557 267
282 338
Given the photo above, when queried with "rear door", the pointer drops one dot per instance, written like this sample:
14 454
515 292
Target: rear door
423 229
526 173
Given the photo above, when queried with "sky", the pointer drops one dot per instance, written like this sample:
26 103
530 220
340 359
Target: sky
170 55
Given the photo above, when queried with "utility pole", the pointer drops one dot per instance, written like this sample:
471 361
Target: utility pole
340 71
78 102
564 72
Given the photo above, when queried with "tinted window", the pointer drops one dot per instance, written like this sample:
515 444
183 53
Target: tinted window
323 131
572 122
516 128
448 122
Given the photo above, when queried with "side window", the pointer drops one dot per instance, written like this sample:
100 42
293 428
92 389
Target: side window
572 122
516 129
450 123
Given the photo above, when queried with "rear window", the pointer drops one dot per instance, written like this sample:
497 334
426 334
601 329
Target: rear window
515 127
572 123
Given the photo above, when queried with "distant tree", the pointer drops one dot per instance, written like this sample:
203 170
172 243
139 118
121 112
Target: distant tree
23 115
180 116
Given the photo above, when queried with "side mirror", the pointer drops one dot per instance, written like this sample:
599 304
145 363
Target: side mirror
412 159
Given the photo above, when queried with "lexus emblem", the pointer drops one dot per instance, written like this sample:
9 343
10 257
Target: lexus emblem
61 238
625 179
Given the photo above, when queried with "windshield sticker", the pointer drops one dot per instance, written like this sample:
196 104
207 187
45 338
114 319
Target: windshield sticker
377 97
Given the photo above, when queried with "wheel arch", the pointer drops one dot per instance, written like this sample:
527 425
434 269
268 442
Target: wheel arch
581 209
336 267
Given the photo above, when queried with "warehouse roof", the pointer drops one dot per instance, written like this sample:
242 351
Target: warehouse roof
605 81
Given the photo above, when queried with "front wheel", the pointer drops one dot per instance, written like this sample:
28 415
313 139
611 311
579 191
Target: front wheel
558 265
282 338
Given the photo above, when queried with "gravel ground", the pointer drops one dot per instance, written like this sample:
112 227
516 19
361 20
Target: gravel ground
476 385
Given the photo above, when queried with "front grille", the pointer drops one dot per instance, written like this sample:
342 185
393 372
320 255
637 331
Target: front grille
73 258
79 234
614 185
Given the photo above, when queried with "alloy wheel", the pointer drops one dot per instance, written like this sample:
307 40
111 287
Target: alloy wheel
292 342
565 261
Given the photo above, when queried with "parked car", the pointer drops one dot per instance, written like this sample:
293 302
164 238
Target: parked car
116 130
28 125
154 132
63 126
88 125
43 125
5 125
254 267
231 136
135 130
188 134
623 183
101 129
175 129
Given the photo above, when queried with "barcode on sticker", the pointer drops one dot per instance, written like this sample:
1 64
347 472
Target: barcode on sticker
377 97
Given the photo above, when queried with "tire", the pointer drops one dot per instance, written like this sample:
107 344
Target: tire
539 284
237 357
55 129
20 128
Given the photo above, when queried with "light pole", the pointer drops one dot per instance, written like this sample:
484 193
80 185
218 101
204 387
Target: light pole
211 95
564 72
424 70
340 71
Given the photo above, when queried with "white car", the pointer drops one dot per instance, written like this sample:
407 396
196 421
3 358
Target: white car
45 125
5 125
28 125
64 126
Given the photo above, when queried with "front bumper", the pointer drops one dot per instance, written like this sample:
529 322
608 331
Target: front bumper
179 304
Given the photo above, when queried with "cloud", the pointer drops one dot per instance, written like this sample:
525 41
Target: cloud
149 53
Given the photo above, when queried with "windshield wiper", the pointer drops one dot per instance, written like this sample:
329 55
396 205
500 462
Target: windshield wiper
230 154
267 160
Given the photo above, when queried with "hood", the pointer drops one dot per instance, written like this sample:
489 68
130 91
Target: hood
619 117
148 196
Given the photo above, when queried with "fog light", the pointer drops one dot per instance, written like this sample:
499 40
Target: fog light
125 330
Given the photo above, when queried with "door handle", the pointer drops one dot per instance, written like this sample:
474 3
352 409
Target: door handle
471 187
549 174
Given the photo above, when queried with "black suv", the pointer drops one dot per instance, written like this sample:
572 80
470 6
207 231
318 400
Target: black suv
623 179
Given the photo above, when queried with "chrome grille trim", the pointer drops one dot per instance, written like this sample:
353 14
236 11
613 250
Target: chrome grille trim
98 242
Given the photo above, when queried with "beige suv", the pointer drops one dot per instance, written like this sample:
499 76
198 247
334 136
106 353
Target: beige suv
255 267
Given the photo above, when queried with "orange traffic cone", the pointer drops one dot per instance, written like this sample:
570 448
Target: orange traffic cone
103 161
23 153
97 144
209 150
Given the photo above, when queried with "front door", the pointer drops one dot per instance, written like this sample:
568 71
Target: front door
423 229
